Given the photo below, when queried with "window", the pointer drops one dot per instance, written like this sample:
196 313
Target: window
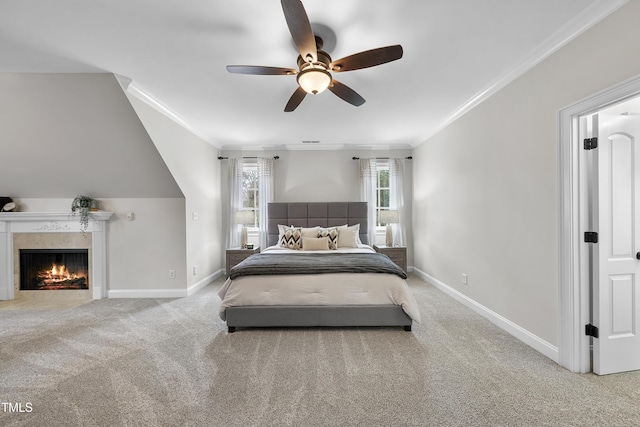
383 189
250 200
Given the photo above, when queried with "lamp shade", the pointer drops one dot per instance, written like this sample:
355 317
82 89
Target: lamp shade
314 80
244 217
389 217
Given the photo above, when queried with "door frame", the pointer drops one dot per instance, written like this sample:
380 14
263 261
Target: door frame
574 349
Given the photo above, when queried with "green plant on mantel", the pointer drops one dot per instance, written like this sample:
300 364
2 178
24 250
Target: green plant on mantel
83 205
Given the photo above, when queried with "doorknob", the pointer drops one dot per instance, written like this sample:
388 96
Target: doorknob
637 255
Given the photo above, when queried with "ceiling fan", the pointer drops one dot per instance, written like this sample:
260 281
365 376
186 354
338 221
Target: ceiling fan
315 65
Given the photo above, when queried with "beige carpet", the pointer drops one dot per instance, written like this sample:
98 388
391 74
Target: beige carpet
171 363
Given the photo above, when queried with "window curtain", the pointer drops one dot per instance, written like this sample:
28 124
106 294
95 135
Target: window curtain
396 199
368 194
265 196
235 202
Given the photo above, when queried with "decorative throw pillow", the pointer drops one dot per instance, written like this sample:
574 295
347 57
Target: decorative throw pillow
347 238
332 234
315 243
291 238
281 229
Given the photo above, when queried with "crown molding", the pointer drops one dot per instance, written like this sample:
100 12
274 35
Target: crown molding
130 87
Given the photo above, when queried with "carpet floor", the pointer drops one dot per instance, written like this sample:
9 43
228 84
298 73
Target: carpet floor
170 362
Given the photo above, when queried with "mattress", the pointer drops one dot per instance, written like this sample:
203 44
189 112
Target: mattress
332 289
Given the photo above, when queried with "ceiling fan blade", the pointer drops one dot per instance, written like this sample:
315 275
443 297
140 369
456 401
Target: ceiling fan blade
300 28
346 93
368 58
295 100
257 69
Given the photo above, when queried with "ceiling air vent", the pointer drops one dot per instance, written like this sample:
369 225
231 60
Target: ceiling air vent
311 142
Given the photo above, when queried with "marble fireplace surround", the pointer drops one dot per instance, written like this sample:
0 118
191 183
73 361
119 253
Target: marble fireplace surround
34 222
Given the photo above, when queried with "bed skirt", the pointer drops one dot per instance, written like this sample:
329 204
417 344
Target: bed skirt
262 316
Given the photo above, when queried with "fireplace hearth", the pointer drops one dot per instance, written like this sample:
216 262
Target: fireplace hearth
54 269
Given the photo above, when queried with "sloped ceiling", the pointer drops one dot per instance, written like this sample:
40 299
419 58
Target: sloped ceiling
455 52
69 134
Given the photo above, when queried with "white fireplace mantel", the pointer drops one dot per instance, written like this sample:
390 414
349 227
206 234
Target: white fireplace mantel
46 222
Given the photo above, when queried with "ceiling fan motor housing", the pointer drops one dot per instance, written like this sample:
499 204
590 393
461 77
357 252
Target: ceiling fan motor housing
324 60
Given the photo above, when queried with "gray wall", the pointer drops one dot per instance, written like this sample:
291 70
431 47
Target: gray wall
194 164
69 134
324 176
486 187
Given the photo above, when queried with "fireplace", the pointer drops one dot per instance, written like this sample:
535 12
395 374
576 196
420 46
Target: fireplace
54 269
52 230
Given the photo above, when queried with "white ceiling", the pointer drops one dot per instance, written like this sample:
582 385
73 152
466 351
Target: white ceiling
455 53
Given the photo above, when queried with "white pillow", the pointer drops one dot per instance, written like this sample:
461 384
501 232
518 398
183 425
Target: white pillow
347 238
310 231
315 243
355 227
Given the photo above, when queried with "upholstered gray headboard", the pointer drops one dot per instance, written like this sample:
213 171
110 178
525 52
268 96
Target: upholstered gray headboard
317 213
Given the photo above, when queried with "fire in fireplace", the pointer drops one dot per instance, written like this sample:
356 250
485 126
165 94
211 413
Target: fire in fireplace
54 269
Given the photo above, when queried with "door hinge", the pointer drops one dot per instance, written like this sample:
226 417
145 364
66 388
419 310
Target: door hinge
591 331
590 143
590 237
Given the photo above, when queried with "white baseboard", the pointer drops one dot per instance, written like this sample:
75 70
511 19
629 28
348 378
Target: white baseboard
164 293
520 333
204 282
147 293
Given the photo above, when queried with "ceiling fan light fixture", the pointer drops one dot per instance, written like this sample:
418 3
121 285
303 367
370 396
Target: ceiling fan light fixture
314 80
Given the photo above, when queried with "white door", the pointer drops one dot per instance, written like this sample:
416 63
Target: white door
616 263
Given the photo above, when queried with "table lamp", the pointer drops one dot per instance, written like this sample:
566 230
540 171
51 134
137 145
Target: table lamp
389 217
245 218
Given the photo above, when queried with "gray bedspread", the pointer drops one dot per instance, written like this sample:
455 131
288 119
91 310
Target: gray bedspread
319 263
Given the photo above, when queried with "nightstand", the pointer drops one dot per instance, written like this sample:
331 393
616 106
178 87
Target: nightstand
398 254
236 255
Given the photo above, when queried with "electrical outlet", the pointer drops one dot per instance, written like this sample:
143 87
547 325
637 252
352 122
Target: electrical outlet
131 216
194 215
464 279
172 274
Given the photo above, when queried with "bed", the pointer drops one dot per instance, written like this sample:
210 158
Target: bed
297 287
